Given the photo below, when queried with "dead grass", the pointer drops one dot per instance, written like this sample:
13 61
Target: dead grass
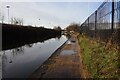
100 59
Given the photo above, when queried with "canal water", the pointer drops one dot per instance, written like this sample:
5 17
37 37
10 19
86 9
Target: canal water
20 62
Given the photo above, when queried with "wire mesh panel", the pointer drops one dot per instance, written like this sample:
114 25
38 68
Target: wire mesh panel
92 24
117 14
104 16
116 19
105 22
82 28
87 26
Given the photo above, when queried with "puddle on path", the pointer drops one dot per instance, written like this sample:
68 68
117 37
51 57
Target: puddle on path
67 52
70 42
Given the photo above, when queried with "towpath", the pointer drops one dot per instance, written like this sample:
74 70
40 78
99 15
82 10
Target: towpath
65 63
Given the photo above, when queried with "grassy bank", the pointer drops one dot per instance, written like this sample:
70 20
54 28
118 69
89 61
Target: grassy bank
18 31
18 35
100 59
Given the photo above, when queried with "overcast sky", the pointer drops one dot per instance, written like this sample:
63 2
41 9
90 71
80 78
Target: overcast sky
50 13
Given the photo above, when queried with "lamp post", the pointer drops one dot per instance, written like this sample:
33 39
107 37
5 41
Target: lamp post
8 12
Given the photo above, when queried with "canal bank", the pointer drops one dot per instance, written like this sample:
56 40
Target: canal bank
64 63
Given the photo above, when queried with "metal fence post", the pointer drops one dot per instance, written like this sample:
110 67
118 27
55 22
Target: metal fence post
112 25
88 31
95 23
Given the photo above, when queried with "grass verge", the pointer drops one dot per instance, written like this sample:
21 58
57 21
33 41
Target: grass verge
101 60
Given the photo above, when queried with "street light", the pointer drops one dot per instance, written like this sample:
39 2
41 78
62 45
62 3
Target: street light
8 12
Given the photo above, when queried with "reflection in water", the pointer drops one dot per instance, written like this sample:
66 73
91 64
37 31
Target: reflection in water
19 50
9 58
20 62
59 36
0 66
4 60
29 45
14 42
15 52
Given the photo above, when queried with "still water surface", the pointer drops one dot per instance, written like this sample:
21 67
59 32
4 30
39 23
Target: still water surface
22 61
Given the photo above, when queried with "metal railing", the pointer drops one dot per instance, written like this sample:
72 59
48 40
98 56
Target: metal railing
104 21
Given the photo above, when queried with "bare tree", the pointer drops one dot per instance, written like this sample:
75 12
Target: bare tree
2 17
58 28
16 21
73 27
